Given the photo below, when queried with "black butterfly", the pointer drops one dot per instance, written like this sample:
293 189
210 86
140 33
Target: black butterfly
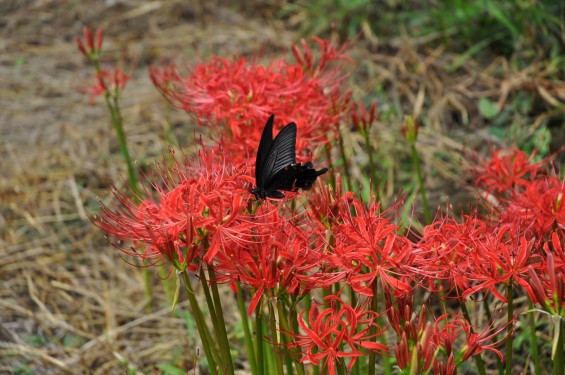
276 168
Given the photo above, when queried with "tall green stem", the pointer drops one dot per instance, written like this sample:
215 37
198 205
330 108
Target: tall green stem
274 338
489 317
418 168
222 334
478 360
285 328
259 339
558 361
373 329
246 331
533 338
201 325
345 161
510 330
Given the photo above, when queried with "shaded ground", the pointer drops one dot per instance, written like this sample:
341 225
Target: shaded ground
68 303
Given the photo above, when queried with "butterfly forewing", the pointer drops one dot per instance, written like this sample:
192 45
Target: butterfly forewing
263 151
281 154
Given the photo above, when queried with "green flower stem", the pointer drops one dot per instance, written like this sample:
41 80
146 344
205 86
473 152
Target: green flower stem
330 166
201 325
558 361
510 330
387 367
418 168
274 338
533 338
489 317
285 328
373 329
217 343
117 121
222 334
372 165
246 331
259 339
478 360
345 161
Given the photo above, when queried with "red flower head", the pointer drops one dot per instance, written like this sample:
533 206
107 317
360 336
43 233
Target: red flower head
197 208
279 253
368 247
92 43
336 333
109 81
540 209
241 94
443 252
507 171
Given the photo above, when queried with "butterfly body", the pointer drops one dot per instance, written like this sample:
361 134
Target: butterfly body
276 168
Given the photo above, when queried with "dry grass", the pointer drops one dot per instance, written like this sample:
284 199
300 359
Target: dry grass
68 303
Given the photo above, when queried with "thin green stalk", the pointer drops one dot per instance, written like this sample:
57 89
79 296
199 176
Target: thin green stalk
373 329
259 339
478 360
275 340
533 339
118 126
353 302
117 123
201 325
222 334
217 343
489 317
285 328
340 367
418 168
250 347
559 362
330 165
510 330
372 166
345 162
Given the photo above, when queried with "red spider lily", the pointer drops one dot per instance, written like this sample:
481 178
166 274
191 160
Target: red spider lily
507 171
109 81
556 248
444 250
548 284
92 43
361 119
242 94
336 333
414 349
499 259
368 248
476 343
278 255
541 206
326 203
423 345
197 208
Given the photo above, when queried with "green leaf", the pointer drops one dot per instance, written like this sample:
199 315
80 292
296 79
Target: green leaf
488 109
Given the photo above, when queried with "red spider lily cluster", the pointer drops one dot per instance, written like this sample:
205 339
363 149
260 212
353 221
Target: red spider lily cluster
91 45
526 245
198 214
109 81
236 96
